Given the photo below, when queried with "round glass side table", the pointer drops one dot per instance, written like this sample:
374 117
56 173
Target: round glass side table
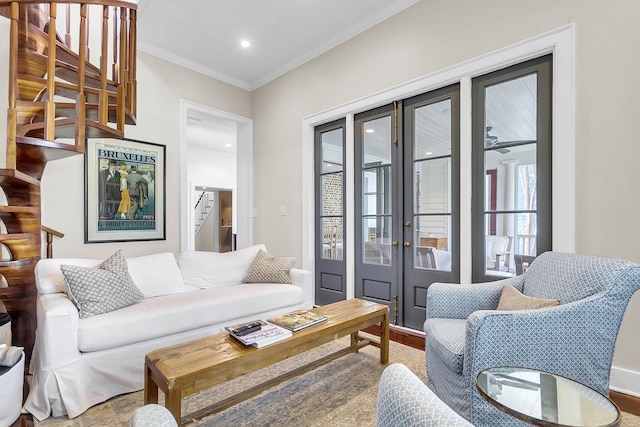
545 399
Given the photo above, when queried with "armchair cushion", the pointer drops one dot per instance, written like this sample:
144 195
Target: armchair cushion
448 343
512 299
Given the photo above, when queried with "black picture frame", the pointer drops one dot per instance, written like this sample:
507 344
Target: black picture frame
129 203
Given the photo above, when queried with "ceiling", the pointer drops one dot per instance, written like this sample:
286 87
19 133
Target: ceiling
205 35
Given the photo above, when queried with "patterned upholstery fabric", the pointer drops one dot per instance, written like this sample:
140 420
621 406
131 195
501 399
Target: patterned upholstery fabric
152 415
575 339
267 269
404 401
103 288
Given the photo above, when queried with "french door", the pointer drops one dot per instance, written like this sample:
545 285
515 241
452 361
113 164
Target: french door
406 209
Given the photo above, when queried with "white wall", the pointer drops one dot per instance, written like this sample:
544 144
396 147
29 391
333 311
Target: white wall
161 86
435 34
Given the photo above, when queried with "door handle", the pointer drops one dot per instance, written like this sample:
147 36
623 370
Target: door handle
406 244
394 243
407 223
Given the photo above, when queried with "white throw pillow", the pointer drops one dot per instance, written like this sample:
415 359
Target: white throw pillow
212 269
156 274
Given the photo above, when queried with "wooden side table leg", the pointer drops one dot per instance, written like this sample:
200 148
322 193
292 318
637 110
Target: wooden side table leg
354 340
150 387
172 402
384 338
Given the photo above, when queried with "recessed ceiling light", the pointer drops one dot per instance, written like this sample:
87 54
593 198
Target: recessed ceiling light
370 130
428 153
228 145
245 43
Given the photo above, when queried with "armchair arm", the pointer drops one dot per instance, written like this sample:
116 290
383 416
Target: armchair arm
572 340
302 278
57 333
405 401
456 301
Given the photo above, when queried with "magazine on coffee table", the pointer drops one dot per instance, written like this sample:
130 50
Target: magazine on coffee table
267 334
297 320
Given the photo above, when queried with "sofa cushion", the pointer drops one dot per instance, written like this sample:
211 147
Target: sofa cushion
211 269
103 288
156 274
268 269
171 314
49 277
447 338
512 299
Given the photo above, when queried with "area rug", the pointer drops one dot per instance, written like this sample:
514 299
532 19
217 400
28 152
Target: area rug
341 393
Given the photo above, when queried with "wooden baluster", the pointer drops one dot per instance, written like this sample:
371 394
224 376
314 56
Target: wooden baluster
132 83
67 36
50 106
81 98
114 69
12 114
122 76
103 99
88 53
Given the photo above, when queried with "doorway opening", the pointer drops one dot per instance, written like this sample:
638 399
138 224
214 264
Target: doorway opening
215 152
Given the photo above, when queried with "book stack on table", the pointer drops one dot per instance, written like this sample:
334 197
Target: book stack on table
259 333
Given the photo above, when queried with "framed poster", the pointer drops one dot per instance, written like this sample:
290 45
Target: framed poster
124 191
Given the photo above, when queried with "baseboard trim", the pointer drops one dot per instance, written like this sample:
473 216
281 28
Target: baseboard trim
623 382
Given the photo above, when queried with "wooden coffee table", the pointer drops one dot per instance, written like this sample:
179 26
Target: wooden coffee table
184 369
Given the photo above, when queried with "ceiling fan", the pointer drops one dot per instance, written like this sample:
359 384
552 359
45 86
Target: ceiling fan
492 141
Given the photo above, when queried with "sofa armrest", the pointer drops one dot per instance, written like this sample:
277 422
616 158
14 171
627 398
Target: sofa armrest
303 278
405 401
57 333
456 301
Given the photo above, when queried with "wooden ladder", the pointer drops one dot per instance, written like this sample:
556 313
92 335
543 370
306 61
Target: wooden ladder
58 97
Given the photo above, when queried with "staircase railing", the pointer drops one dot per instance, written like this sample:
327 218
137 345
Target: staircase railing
51 233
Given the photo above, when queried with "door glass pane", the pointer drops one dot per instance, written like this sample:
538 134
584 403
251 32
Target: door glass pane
376 185
377 142
515 237
432 134
432 186
511 111
332 194
514 172
376 247
332 238
332 151
432 250
331 179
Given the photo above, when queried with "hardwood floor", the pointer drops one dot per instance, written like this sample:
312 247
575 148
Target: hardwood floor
625 402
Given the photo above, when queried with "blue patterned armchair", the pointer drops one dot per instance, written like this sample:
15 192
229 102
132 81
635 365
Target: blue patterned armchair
466 334
405 401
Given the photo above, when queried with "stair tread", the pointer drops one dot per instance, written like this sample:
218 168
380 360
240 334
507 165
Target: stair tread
11 209
17 178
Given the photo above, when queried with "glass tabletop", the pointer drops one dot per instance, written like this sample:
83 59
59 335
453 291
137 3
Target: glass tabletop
545 399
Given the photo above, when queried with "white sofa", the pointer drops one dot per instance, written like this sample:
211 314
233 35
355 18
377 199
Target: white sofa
79 362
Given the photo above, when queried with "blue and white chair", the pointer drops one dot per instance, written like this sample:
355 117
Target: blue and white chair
465 334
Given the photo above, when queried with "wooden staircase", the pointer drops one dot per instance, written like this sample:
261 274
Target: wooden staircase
58 97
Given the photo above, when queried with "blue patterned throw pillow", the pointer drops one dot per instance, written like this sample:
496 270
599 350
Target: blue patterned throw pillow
103 288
